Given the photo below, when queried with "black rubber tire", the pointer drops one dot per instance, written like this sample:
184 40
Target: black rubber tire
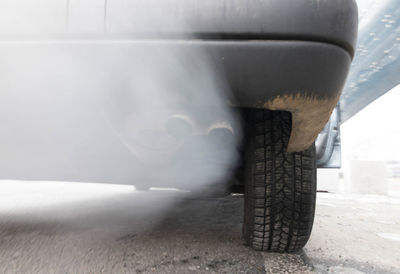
280 187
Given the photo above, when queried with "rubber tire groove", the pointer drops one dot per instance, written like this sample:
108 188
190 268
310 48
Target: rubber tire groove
279 211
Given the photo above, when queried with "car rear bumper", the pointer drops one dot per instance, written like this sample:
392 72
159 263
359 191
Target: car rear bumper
302 77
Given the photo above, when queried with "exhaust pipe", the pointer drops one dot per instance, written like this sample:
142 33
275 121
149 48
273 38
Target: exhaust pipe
179 126
221 133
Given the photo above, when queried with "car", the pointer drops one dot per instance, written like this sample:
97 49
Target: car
284 65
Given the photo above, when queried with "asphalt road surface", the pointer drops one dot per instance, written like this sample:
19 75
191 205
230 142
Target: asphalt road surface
88 228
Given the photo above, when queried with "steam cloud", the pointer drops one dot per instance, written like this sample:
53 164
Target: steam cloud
150 113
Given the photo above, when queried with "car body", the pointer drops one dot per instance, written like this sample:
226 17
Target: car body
275 54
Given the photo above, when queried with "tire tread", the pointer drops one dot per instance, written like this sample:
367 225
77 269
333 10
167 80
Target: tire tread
280 186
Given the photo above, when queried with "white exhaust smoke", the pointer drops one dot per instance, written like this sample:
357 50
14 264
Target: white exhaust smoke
140 112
